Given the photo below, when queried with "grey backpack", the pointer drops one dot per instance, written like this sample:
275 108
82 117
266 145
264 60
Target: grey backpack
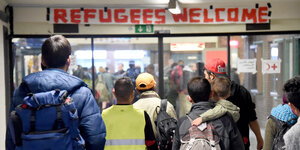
203 137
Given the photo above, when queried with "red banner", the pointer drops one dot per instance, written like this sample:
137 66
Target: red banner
159 16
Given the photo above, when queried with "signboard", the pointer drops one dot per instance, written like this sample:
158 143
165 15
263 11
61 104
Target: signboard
246 66
144 28
270 66
187 46
216 15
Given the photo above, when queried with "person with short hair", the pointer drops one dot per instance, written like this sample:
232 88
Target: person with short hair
292 90
199 90
56 52
240 97
149 99
127 127
220 91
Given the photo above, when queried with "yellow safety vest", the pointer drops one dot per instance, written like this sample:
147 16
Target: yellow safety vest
125 128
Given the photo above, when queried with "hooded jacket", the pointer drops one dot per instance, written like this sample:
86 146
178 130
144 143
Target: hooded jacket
222 107
230 138
292 138
91 125
241 97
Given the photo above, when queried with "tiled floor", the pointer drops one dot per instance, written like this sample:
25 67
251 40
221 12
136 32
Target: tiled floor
264 106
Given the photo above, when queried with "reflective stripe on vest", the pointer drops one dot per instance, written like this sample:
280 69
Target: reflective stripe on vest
125 142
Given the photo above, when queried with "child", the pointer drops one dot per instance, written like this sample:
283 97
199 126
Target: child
220 91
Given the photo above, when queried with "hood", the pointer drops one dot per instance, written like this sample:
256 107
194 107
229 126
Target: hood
199 108
52 79
228 105
284 113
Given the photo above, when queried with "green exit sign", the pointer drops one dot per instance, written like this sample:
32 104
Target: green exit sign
144 28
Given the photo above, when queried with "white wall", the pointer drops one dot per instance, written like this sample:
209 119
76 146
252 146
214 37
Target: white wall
2 84
2 92
285 17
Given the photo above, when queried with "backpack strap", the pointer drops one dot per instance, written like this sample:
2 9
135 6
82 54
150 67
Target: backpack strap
59 123
163 105
191 120
32 120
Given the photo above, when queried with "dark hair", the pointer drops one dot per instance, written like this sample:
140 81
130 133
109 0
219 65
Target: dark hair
199 89
142 91
217 74
123 88
221 86
55 51
292 90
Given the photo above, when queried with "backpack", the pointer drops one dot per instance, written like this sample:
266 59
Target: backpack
46 120
165 126
203 137
102 93
278 142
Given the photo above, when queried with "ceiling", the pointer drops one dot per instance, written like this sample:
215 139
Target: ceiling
123 3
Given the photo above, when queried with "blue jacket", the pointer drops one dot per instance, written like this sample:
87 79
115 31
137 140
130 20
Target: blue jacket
91 125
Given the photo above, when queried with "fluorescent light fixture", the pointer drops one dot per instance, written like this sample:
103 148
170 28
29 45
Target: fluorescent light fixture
174 7
187 46
87 54
127 54
234 43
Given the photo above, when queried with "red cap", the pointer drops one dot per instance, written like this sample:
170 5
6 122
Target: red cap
216 66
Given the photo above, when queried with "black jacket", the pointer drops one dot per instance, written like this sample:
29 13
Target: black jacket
226 128
242 98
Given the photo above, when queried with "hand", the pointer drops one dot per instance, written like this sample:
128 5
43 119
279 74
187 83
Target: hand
260 143
197 121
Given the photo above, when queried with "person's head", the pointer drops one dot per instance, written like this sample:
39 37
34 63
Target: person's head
292 91
124 90
145 82
170 62
220 88
120 66
199 89
213 68
193 67
101 69
150 68
180 62
131 64
55 52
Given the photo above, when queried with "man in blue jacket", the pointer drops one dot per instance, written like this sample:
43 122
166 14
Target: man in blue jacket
56 52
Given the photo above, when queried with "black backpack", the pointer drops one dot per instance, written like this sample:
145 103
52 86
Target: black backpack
165 126
278 143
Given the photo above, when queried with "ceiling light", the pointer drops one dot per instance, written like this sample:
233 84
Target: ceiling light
174 7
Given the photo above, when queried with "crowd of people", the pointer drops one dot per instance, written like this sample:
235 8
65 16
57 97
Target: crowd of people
213 110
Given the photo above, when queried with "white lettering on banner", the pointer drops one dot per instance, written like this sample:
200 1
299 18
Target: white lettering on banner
159 16
246 66
270 66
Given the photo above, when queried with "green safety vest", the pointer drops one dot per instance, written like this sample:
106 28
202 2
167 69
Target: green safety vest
125 128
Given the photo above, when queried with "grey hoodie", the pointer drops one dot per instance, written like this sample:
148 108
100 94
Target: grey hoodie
292 138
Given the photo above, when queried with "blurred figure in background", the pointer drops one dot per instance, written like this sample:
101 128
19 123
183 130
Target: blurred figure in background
151 70
132 73
120 72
